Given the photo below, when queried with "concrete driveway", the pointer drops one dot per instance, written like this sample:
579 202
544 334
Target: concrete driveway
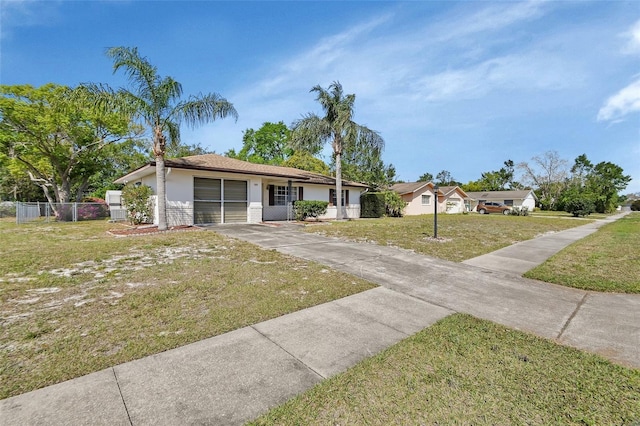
488 287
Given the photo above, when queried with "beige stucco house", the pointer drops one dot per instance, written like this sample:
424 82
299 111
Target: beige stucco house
212 189
420 198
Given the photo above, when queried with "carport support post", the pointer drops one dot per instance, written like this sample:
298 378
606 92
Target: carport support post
435 212
289 200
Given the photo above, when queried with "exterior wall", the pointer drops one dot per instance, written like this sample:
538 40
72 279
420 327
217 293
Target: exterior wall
415 206
529 202
310 192
180 203
179 191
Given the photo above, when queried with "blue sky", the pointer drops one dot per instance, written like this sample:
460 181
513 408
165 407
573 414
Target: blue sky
457 86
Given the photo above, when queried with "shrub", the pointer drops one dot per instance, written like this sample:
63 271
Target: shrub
372 204
92 208
303 209
520 211
137 202
7 209
394 204
579 206
635 206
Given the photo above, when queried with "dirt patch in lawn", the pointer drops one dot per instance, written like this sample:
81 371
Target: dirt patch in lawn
132 231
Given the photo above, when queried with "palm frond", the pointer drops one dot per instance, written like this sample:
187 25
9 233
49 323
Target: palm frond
204 108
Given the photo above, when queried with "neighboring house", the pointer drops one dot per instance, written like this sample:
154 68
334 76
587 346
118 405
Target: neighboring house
525 198
210 188
420 199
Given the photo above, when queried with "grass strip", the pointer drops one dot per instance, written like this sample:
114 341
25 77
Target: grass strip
74 300
460 237
464 370
607 260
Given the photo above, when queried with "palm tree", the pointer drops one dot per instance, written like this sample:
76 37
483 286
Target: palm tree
156 101
311 132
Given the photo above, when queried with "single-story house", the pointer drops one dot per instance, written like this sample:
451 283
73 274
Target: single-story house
524 198
210 188
419 197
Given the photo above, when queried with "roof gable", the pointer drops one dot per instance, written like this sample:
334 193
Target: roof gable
409 187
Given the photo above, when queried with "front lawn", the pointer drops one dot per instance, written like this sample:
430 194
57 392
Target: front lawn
468 371
74 300
460 237
608 260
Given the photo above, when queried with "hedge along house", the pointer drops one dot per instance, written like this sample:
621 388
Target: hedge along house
212 189
420 198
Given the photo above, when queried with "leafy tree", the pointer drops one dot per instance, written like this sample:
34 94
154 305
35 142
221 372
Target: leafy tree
605 181
547 175
444 178
59 136
156 101
304 161
311 132
117 161
177 150
598 184
473 186
363 164
267 145
15 184
426 177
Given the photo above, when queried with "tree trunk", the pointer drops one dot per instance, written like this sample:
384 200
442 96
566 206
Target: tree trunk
338 186
161 193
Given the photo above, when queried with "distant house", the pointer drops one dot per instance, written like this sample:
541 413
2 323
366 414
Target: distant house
420 198
210 188
525 198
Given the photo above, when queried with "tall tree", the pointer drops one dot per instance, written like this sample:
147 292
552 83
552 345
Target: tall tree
547 175
445 178
267 145
156 101
304 161
606 180
426 177
311 132
363 164
59 136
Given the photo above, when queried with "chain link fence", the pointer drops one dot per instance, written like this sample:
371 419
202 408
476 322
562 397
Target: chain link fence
61 212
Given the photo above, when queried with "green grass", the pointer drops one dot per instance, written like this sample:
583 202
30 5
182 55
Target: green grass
461 237
468 371
551 213
607 260
74 300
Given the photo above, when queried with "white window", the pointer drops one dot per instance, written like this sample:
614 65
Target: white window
281 193
426 200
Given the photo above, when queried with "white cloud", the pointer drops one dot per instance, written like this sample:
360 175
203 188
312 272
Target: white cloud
23 13
633 42
625 102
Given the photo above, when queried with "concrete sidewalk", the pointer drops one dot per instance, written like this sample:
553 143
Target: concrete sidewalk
235 377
